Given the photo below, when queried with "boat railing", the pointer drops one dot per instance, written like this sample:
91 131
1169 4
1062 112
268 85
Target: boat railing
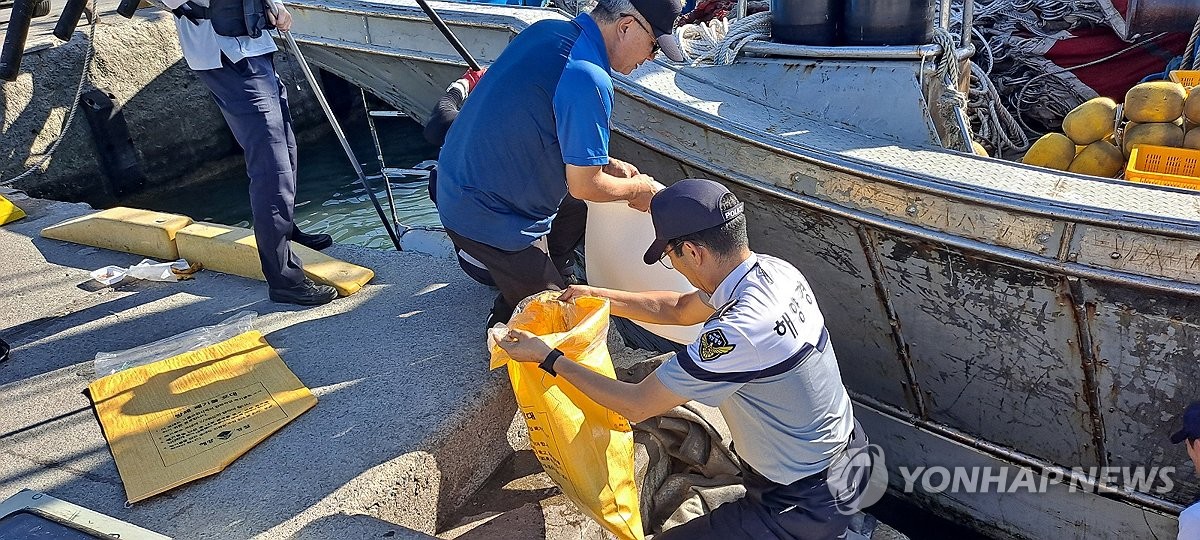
889 52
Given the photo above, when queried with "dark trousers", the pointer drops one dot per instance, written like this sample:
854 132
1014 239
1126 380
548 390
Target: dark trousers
255 106
541 266
803 510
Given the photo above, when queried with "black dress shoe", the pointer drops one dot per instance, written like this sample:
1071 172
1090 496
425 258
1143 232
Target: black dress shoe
312 241
304 294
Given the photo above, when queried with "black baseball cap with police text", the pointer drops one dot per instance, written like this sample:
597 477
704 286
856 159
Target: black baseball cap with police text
1191 424
687 207
662 14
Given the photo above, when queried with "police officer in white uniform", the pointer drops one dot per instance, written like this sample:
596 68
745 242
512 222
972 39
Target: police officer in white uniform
764 358
224 44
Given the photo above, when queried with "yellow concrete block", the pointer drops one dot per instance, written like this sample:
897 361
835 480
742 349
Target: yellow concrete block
9 212
232 250
147 233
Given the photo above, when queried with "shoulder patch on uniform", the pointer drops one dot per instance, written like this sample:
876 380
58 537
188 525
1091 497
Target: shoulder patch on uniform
714 344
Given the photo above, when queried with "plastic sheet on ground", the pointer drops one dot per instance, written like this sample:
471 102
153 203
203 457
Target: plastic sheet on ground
107 363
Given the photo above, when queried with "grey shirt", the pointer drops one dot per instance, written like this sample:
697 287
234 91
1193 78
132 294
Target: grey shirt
764 359
202 46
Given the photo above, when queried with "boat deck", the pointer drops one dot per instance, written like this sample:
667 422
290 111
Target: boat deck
709 91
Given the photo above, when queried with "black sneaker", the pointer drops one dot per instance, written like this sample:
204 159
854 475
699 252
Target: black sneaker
304 294
311 241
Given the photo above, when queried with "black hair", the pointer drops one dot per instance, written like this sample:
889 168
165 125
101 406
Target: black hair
725 240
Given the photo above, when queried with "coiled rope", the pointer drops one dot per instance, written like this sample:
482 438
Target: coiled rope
720 41
997 129
83 77
952 102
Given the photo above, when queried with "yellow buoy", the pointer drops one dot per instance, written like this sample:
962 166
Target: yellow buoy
1157 101
1192 139
1191 107
1156 133
1053 150
1099 159
1093 120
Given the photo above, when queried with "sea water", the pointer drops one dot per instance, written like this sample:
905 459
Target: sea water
329 196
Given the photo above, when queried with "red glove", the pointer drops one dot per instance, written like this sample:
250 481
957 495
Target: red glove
472 78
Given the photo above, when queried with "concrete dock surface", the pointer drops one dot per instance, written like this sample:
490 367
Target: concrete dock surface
408 425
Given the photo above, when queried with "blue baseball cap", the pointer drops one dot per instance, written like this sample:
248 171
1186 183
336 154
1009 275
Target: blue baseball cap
1191 424
686 207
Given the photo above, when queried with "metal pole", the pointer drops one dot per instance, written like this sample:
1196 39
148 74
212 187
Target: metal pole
337 130
454 42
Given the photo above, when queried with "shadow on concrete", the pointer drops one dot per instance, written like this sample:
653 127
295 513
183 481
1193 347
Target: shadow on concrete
409 419
356 526
508 503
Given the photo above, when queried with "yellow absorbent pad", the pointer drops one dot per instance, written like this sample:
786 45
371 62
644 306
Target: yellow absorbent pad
585 448
130 230
232 250
9 212
189 416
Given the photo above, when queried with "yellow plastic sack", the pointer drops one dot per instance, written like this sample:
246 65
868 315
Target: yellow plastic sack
189 416
585 448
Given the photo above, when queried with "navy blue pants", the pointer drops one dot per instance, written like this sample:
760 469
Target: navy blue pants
255 106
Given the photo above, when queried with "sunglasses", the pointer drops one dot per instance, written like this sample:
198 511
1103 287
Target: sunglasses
654 41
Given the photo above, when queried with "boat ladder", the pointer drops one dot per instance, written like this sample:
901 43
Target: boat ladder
402 175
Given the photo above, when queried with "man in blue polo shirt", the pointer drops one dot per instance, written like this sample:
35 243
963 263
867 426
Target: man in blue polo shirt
533 139
764 359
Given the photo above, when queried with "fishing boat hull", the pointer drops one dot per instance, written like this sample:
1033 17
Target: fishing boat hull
985 314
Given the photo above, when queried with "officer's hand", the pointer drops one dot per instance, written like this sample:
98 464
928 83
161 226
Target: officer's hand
577 291
280 18
646 191
523 346
620 169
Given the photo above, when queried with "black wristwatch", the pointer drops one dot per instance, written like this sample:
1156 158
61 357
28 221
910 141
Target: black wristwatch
548 363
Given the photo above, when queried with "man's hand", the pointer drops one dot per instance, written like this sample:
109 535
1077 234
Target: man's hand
279 17
641 199
523 346
577 291
620 169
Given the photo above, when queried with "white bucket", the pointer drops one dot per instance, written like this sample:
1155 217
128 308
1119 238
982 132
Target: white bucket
616 239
